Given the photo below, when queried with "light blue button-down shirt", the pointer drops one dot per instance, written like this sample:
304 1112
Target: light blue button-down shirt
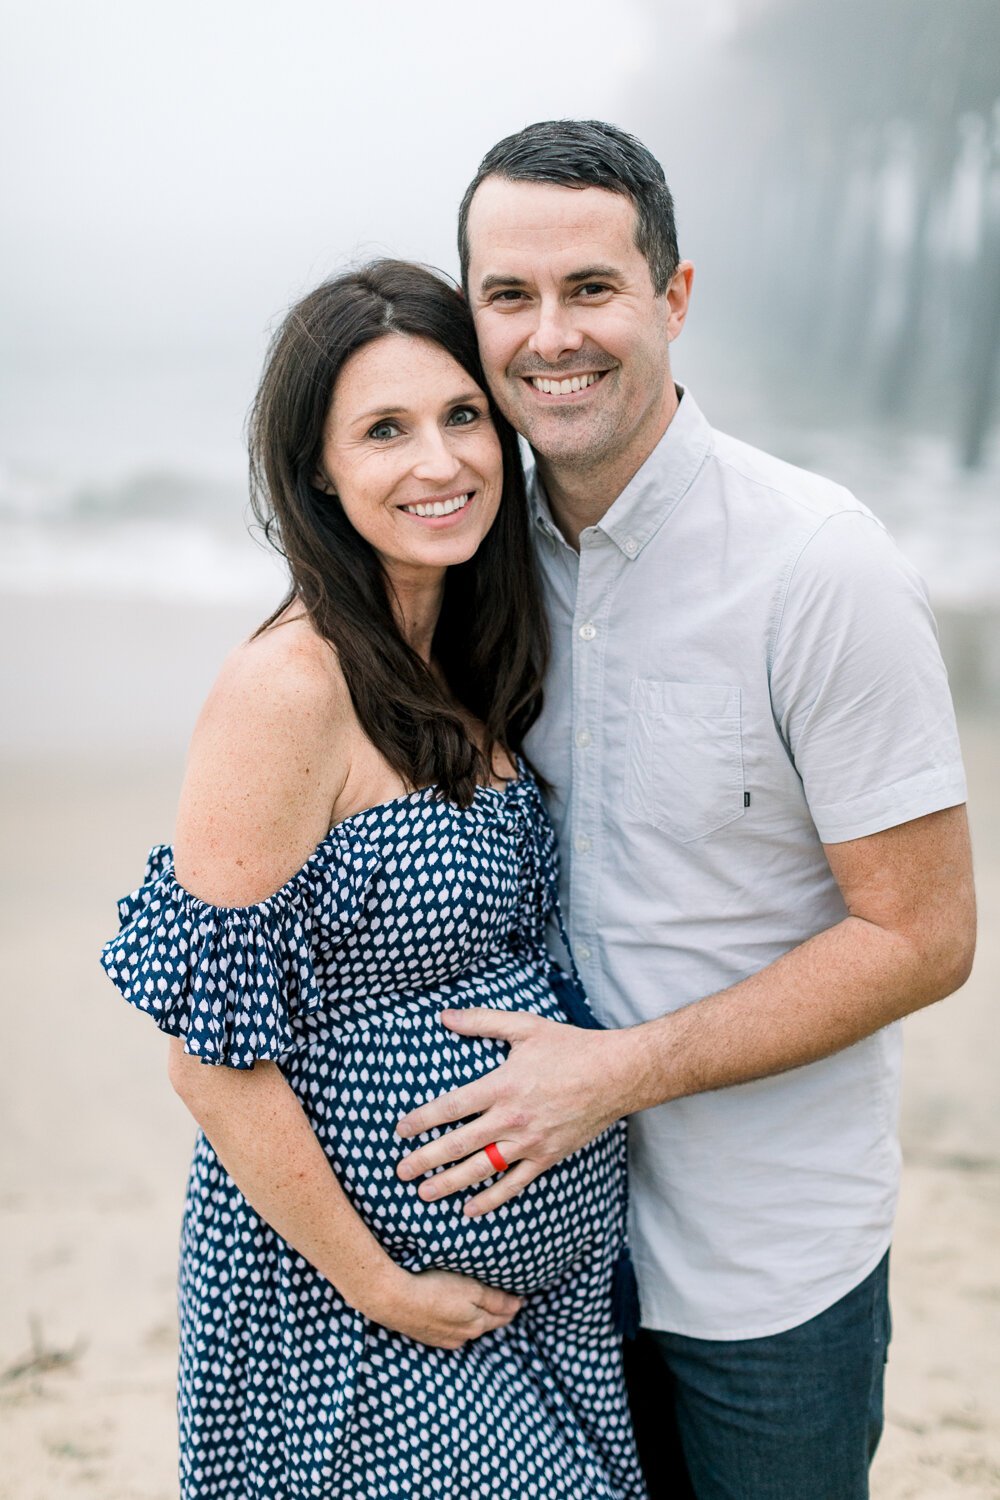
744 667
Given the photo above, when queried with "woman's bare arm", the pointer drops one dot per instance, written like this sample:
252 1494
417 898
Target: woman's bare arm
263 1139
269 759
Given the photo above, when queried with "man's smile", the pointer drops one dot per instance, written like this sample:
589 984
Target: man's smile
562 386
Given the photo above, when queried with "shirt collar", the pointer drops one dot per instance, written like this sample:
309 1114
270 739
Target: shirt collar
653 492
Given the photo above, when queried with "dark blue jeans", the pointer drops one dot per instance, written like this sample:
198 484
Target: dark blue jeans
796 1416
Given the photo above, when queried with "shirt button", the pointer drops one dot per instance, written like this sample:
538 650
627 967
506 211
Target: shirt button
588 631
631 546
583 738
583 953
582 844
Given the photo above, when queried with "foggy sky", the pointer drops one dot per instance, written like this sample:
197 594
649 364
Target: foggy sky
174 175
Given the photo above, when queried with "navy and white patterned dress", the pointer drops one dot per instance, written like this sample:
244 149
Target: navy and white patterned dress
287 1393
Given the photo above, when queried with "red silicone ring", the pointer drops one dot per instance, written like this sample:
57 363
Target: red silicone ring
495 1158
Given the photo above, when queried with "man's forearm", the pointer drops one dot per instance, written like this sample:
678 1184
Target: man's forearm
908 940
839 986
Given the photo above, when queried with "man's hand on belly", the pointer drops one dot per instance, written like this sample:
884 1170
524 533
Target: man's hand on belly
559 1088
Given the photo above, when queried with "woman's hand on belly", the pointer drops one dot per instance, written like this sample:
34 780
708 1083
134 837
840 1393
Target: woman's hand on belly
439 1307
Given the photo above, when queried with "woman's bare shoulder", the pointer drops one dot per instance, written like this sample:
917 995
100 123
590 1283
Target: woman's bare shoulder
288 664
268 758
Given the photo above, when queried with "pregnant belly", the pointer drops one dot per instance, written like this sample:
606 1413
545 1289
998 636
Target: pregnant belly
564 1218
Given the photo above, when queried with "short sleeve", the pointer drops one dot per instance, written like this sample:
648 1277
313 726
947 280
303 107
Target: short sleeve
236 983
858 686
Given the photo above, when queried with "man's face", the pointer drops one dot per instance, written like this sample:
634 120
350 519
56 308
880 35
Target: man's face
573 340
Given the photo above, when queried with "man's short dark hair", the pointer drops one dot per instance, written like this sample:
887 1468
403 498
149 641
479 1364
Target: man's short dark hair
587 153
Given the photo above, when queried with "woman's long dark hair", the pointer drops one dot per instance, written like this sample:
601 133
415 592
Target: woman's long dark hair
491 640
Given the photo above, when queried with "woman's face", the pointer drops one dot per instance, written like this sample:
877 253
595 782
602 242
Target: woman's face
410 449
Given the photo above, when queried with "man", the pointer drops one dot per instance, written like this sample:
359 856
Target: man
759 793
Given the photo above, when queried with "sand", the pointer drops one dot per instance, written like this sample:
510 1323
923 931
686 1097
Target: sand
95 1145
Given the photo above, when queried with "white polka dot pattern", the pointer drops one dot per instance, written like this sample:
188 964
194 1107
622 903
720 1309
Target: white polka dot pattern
285 1392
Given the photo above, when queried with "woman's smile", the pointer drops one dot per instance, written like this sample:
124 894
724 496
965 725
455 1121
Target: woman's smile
440 510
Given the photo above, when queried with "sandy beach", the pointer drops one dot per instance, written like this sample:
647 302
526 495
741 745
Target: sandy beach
96 1144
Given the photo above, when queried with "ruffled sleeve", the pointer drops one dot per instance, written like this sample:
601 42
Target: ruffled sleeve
235 981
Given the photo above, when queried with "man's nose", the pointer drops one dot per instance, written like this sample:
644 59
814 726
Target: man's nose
555 334
435 460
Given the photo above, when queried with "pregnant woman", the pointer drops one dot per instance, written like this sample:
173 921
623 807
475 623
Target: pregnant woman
359 845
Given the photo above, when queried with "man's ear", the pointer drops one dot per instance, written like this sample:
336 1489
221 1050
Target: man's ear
678 297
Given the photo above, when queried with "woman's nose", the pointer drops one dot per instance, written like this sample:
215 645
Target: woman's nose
435 460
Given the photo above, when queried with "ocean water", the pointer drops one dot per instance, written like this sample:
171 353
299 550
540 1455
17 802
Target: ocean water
128 480
156 536
158 532
129 566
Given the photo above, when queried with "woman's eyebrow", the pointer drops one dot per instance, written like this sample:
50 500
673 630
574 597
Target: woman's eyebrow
380 411
472 394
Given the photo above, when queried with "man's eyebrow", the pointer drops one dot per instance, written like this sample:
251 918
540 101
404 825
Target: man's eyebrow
594 273
587 273
490 283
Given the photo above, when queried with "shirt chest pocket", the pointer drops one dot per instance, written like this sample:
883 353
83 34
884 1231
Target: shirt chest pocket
684 757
